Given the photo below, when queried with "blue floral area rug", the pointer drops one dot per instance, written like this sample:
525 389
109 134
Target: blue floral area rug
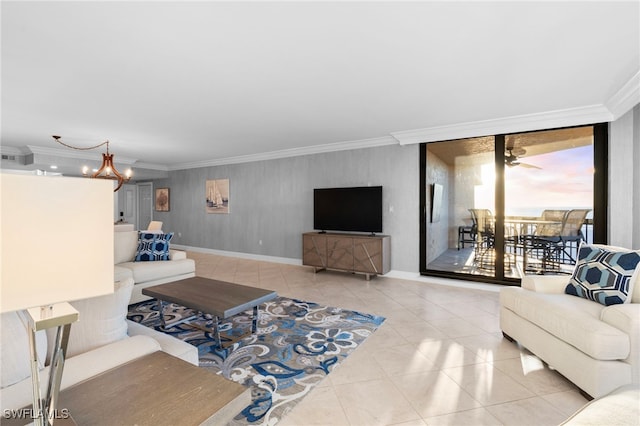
297 344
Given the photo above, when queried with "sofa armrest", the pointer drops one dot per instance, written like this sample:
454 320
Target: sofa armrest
620 407
177 254
545 283
626 317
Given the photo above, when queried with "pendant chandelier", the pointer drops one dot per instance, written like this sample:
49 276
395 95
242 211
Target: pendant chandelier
107 170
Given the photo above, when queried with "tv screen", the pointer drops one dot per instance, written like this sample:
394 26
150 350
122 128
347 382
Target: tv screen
348 209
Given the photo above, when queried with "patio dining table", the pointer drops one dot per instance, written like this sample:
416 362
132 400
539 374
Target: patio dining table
523 228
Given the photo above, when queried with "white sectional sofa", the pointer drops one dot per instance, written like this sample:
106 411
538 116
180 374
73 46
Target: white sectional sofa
620 407
145 274
102 339
595 346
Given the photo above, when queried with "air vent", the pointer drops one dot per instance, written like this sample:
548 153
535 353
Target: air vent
18 159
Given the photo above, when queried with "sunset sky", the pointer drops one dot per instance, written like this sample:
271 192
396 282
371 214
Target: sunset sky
564 181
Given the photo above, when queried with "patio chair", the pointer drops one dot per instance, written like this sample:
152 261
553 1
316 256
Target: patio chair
483 230
465 235
484 255
554 229
554 244
571 234
541 242
155 225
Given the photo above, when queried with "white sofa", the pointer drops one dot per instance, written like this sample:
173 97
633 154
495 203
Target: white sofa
620 407
597 347
102 339
145 274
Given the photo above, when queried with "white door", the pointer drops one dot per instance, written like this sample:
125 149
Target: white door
145 204
127 204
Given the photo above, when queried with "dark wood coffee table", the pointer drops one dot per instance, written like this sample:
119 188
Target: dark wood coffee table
219 299
152 390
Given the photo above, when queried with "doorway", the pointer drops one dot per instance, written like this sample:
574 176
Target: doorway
127 204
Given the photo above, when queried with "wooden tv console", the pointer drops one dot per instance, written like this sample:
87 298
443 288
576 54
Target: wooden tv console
364 254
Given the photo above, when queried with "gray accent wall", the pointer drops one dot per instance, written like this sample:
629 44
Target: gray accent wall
271 201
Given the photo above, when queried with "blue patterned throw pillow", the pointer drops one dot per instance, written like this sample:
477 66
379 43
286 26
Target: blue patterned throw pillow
153 246
604 274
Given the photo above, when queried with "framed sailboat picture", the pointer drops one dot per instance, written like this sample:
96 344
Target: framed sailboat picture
217 196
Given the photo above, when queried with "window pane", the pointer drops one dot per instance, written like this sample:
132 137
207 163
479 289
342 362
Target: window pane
548 199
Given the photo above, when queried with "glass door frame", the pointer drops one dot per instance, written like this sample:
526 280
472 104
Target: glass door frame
600 203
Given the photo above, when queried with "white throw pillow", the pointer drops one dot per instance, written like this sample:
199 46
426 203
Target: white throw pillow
102 320
14 350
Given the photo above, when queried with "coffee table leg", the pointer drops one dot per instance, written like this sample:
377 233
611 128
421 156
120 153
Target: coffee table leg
254 323
161 312
216 332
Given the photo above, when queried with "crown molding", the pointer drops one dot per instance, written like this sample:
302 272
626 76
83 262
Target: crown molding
11 150
619 104
520 123
293 152
73 154
626 98
151 166
65 153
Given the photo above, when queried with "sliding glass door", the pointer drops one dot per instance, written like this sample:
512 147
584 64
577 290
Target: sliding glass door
460 183
499 207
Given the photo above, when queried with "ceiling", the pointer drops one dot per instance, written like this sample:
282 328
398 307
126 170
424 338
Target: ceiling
183 84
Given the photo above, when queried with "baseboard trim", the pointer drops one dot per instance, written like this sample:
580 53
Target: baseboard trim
250 256
403 275
450 282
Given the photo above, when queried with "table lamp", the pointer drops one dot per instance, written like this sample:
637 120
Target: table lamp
57 246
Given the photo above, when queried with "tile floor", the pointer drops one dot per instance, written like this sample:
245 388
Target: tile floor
438 359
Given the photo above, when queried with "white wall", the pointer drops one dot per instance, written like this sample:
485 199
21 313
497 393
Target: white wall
624 180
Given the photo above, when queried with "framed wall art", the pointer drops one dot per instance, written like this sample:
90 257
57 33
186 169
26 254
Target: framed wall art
162 199
217 196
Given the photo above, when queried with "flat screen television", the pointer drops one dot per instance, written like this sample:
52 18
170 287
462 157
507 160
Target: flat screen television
357 209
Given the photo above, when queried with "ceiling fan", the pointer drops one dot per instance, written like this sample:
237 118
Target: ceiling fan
511 158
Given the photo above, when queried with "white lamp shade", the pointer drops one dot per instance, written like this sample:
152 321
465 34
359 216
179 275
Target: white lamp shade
57 240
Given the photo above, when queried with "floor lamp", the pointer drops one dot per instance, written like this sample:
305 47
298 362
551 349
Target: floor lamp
57 246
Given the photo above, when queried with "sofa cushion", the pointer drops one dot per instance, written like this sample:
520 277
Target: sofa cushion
14 350
177 254
604 274
153 246
120 273
151 271
124 246
570 319
102 320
